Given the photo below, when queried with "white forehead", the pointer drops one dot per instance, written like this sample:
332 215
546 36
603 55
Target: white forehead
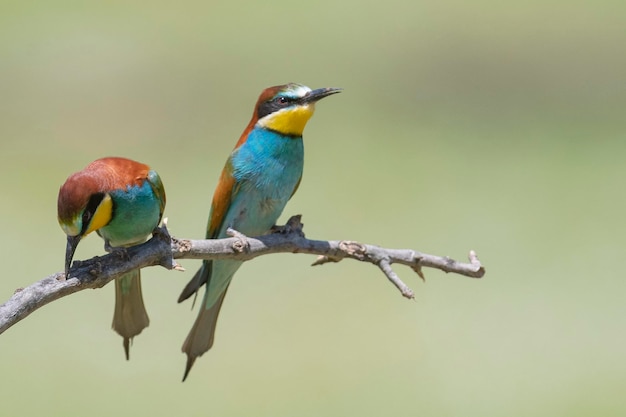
298 90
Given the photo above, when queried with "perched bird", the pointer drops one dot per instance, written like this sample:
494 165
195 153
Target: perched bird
260 176
123 201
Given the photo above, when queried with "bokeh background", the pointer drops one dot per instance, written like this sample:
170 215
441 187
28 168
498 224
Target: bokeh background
493 126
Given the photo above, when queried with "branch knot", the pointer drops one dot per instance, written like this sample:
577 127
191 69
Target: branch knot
353 249
241 244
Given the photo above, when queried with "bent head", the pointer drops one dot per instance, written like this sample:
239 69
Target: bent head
82 209
287 108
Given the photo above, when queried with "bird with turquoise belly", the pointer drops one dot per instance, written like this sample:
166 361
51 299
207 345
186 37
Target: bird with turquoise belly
259 177
122 201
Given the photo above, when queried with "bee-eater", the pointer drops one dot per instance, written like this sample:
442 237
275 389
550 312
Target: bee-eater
123 201
260 176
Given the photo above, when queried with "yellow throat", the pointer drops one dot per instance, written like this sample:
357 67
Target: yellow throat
101 217
290 121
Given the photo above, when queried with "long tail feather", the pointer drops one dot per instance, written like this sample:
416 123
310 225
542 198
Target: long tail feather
199 279
130 316
201 336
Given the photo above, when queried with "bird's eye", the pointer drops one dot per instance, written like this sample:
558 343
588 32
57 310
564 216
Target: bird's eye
86 217
281 100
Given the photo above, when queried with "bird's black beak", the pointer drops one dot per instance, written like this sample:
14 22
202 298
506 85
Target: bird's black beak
72 243
319 94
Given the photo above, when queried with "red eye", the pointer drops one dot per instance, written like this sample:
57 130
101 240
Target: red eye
281 100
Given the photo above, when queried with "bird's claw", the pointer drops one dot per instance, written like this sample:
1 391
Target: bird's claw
293 225
121 252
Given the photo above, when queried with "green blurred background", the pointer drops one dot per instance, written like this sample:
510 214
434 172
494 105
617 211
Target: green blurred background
493 126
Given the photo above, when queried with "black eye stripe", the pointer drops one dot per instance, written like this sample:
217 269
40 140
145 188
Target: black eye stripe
90 209
275 104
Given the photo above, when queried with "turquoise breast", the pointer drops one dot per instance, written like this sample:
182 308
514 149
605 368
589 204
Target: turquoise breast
136 212
267 168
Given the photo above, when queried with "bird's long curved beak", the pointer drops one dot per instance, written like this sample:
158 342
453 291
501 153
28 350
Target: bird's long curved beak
72 243
319 94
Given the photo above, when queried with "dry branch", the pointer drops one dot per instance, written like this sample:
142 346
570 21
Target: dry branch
162 250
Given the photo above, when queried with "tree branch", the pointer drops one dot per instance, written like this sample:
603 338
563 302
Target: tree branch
163 249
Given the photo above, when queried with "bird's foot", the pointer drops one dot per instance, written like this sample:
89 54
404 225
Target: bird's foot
121 252
242 244
293 225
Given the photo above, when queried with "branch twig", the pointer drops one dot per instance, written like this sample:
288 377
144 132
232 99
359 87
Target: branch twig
162 250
